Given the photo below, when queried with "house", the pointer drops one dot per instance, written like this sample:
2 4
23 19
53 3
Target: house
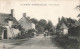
26 23
63 29
7 21
69 24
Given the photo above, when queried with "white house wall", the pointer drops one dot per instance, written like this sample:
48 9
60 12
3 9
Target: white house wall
16 32
65 31
11 32
2 35
10 23
27 25
33 26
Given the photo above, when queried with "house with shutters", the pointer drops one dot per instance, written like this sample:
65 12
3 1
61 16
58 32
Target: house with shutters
26 23
7 21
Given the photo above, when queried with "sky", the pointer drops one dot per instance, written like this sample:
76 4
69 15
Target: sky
48 10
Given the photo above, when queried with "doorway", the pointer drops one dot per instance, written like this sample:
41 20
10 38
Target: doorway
5 34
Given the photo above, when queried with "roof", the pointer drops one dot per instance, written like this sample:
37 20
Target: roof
25 22
74 23
78 15
15 22
77 23
63 26
25 19
62 22
3 17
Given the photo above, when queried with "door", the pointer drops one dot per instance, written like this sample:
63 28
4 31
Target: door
5 34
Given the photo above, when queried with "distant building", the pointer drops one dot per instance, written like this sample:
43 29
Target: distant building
26 23
63 29
7 21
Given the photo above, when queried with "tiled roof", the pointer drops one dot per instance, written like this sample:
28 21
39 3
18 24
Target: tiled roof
25 19
15 22
63 26
77 23
78 15
3 17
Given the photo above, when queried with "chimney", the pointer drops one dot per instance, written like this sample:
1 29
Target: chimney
24 14
12 12
28 17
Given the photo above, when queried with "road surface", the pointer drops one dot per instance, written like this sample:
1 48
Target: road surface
39 42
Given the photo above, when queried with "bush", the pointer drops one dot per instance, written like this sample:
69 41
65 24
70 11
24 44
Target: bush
30 33
67 43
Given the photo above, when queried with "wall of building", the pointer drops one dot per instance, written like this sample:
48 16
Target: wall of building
29 25
26 24
10 23
33 26
16 32
12 32
65 31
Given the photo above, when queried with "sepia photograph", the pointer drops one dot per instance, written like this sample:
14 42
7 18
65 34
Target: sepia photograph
39 24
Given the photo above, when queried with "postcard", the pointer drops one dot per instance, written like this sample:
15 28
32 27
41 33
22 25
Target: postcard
39 24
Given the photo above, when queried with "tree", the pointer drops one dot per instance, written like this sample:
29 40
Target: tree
21 29
49 26
78 7
42 23
1 29
40 26
34 20
70 22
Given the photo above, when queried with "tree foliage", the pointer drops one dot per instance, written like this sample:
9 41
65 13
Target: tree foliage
40 26
49 26
70 22
34 20
1 29
42 23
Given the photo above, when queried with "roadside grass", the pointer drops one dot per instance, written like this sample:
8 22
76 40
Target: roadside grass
67 43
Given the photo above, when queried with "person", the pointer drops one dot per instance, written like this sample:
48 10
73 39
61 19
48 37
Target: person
44 34
34 33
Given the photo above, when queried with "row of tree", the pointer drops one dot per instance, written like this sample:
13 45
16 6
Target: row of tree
43 25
